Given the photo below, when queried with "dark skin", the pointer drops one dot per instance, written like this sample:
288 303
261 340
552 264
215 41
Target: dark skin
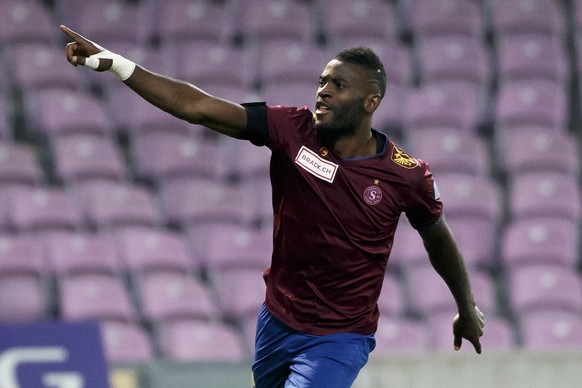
346 100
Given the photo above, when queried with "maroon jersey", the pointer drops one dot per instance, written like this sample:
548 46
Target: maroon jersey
334 223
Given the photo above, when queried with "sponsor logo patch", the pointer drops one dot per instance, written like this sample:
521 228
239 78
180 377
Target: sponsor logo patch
402 159
315 165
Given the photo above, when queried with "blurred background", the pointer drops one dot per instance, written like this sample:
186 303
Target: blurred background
114 211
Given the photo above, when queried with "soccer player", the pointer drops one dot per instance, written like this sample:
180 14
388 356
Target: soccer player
339 188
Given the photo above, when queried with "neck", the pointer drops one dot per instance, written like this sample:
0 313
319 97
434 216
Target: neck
357 146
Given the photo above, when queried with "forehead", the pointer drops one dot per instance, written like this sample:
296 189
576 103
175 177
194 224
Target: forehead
344 70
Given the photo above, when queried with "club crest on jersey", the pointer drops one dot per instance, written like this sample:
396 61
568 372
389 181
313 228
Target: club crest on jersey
315 165
373 194
402 159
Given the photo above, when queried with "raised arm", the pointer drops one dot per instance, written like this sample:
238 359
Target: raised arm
448 262
176 97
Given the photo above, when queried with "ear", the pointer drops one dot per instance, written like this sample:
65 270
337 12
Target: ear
372 102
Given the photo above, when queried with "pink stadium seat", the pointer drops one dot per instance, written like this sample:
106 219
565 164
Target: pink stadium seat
391 300
400 336
125 343
534 16
144 250
527 56
74 253
427 18
390 117
42 208
243 159
166 297
451 151
193 201
200 341
544 194
541 287
82 158
477 241
25 22
108 204
291 94
551 331
23 298
21 254
95 297
540 241
161 156
19 164
535 102
240 292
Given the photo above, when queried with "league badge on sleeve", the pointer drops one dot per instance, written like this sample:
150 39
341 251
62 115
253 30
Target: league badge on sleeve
402 159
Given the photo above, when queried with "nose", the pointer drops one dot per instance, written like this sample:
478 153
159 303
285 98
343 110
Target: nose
323 91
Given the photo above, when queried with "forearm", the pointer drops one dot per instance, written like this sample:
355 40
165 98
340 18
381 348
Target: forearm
448 262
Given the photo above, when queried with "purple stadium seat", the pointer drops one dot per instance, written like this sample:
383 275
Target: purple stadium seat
430 296
162 156
391 300
407 249
25 22
82 158
21 254
186 20
244 160
212 63
448 150
145 250
498 335
230 245
95 297
74 253
19 164
300 62
524 17
390 117
527 56
58 112
291 94
454 104
107 204
474 196
461 58
200 200
361 18
43 208
22 298
200 341
428 18
126 343
476 239
168 297
240 292
39 65
544 287
551 331
400 336
535 102
540 241
266 20
544 194
532 149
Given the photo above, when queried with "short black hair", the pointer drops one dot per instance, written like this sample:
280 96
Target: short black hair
367 58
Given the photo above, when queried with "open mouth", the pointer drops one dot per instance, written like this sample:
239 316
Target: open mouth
321 108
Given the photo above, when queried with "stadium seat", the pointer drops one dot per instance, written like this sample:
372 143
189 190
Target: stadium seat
535 102
551 331
541 287
166 297
75 253
126 343
391 301
23 298
476 239
42 208
82 158
19 165
200 341
291 94
26 22
540 241
240 292
243 160
521 17
21 254
95 297
143 250
108 204
544 194
398 336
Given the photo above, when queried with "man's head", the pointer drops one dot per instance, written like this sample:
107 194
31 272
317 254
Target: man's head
350 89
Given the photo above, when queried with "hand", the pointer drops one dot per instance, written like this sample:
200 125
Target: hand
79 50
470 327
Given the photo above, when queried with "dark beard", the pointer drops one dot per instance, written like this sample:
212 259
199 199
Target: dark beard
329 134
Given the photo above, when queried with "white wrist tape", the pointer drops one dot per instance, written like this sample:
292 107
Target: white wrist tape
121 67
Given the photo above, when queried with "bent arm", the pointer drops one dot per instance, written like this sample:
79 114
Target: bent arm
187 102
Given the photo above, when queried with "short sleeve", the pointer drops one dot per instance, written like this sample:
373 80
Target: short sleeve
425 207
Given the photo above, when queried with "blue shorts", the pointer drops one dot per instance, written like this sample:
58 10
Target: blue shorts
285 358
